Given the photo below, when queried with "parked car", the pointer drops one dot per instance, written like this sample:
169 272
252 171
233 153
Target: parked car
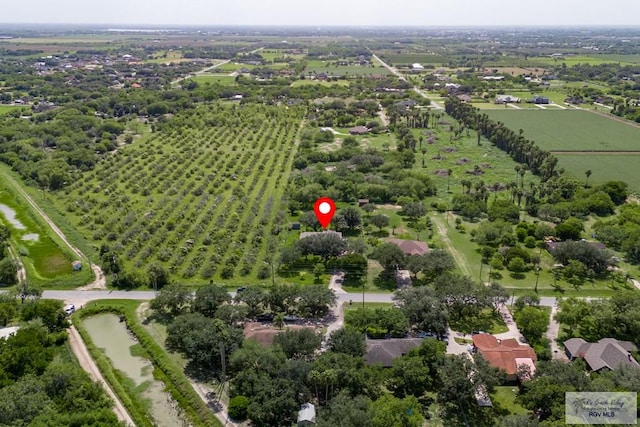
69 309
267 317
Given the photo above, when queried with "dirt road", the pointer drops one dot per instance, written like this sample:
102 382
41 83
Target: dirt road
206 393
87 363
459 259
100 281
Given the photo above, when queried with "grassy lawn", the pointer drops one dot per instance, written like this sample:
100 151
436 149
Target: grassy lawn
4 109
223 79
486 321
505 398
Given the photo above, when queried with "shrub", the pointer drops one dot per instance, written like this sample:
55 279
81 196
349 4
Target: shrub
238 408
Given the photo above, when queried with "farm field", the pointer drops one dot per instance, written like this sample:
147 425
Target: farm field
605 167
315 67
571 130
411 58
201 197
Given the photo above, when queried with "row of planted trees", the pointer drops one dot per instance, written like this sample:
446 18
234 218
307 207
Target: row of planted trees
522 150
202 200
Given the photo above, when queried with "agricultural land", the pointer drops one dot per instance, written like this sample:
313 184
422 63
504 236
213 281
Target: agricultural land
485 183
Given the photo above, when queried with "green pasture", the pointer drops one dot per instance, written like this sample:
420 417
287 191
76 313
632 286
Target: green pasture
595 59
571 130
467 254
4 109
45 261
309 82
316 67
412 58
222 79
604 167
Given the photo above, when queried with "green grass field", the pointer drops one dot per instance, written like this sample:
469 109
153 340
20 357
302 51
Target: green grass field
327 67
4 109
605 167
571 130
45 261
412 58
223 79
308 82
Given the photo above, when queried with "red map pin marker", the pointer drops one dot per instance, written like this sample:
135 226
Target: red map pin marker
324 209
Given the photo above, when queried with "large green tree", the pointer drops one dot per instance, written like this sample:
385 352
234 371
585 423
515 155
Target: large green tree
203 341
208 298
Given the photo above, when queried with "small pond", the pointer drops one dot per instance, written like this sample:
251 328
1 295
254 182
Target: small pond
108 333
10 216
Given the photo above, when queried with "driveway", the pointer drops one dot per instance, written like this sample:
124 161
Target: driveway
513 331
552 333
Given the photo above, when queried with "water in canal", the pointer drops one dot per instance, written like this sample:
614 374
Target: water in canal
108 333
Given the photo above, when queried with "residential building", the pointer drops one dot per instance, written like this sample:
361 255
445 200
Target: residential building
410 247
506 99
384 352
608 353
507 354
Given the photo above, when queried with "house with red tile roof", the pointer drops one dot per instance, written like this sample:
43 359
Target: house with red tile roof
508 355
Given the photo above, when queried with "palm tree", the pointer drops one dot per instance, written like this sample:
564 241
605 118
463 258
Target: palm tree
588 174
278 320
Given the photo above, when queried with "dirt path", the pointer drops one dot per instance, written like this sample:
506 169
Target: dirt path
87 363
21 273
383 118
459 259
100 281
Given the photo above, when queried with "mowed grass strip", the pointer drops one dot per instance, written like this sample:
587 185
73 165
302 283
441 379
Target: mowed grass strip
570 130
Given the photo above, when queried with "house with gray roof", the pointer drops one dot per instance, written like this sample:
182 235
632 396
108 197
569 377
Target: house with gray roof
608 353
384 352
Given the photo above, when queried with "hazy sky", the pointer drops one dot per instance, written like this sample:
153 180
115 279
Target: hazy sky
324 12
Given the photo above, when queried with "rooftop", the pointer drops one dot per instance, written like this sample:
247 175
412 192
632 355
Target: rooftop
410 247
607 353
504 354
385 352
